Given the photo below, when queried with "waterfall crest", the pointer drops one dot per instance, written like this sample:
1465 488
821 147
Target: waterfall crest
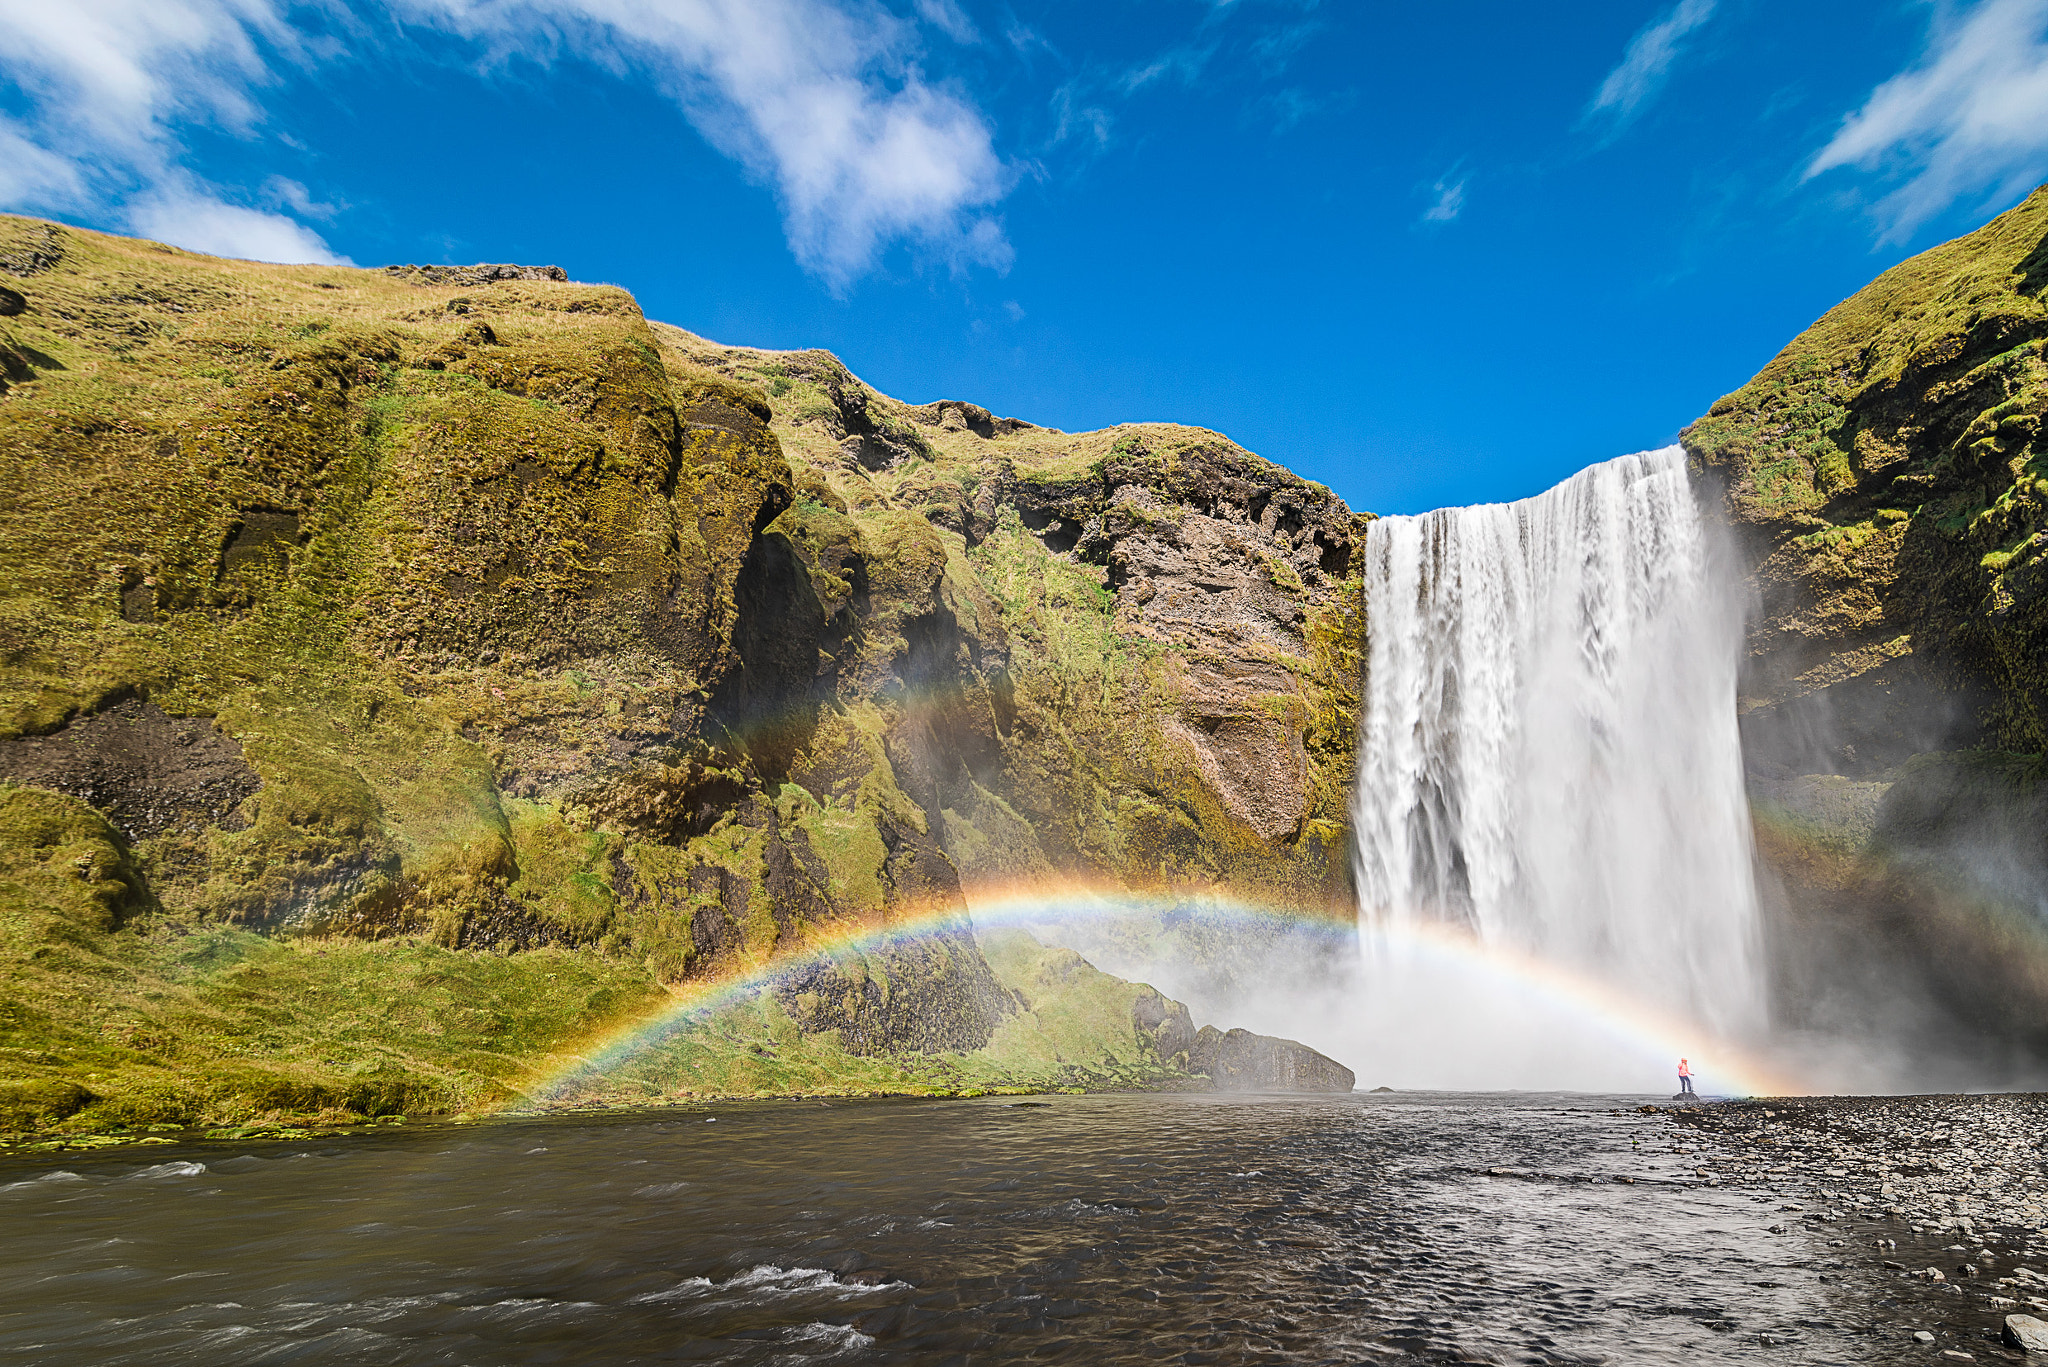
1549 757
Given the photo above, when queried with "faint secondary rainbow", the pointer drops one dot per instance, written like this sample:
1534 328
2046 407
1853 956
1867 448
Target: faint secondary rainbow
1034 904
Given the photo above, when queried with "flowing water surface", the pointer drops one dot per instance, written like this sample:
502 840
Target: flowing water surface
1098 1229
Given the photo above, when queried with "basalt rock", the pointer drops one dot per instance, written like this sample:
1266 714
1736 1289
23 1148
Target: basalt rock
1240 1061
473 275
150 773
1154 635
1883 478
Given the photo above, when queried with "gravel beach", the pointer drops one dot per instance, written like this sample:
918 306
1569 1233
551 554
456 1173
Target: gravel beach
1946 1194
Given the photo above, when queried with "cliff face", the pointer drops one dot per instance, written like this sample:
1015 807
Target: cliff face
463 622
1886 479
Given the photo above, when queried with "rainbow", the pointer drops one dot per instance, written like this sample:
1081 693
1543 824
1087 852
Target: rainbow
1036 903
1008 904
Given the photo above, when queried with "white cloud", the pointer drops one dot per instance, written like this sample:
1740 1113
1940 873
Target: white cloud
108 81
190 216
822 99
1969 119
293 195
1647 61
31 174
1450 199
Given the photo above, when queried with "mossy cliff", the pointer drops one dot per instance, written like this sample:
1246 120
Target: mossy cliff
1886 477
408 675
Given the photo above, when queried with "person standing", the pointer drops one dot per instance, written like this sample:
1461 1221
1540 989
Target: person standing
1685 1079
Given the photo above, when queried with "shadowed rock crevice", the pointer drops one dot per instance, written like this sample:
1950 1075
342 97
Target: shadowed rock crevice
766 705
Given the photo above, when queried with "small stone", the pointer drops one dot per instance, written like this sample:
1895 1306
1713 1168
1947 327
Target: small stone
2026 1333
1922 1336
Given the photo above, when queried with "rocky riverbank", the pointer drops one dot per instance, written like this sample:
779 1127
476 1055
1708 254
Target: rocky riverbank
1948 1193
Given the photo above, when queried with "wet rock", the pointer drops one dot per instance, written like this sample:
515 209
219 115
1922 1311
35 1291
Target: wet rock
1240 1061
2026 1333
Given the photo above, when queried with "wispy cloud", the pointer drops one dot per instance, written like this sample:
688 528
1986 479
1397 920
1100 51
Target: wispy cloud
1450 198
1181 64
824 101
947 17
1968 120
109 83
184 210
1646 62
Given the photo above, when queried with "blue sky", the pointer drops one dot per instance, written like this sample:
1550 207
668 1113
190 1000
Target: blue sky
1426 254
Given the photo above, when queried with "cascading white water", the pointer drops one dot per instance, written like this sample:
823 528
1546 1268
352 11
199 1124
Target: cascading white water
1549 757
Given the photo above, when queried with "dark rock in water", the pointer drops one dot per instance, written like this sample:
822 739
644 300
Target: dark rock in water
923 993
1241 1061
1383 1089
2027 1333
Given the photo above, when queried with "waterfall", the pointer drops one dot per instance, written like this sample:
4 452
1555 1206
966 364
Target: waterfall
1549 758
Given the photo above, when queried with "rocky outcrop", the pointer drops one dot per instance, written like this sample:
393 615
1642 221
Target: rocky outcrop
1240 1061
1162 640
473 275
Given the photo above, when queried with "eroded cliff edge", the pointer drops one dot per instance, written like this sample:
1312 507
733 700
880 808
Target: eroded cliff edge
1886 479
408 672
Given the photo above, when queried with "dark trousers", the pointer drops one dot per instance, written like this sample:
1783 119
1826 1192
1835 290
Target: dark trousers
1685 1084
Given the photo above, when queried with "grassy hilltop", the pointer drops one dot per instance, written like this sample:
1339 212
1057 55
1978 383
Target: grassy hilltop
408 676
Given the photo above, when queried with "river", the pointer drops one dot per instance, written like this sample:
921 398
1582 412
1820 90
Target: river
1079 1229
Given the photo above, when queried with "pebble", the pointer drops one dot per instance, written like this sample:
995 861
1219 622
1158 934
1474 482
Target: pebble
1940 1165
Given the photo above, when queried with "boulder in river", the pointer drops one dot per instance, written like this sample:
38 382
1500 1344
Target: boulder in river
2026 1333
1240 1061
